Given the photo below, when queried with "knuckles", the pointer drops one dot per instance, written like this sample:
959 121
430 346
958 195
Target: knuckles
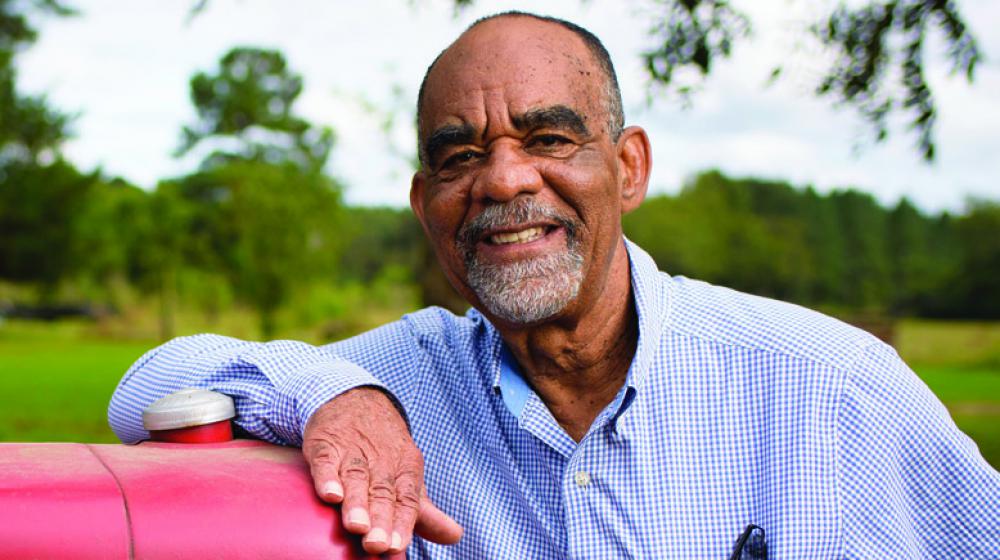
382 489
407 494
354 468
363 437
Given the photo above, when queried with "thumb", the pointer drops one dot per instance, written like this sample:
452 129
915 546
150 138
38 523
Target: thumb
435 525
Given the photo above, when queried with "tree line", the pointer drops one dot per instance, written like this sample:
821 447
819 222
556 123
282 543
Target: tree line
840 251
255 233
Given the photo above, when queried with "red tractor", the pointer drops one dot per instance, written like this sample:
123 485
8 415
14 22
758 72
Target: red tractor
192 492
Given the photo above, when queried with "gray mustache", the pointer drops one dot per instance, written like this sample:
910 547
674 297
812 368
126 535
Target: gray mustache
518 211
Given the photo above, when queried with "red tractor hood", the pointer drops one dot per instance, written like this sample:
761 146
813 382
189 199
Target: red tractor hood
239 499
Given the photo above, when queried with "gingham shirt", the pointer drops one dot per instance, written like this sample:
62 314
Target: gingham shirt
736 410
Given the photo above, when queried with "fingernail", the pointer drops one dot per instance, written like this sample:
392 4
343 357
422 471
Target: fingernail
333 488
358 516
376 536
397 541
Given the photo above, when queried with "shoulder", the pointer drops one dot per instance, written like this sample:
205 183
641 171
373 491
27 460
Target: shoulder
438 325
909 480
728 317
722 317
430 329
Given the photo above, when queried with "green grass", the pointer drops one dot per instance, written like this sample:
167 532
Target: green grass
960 362
967 344
960 385
55 384
973 398
983 430
56 379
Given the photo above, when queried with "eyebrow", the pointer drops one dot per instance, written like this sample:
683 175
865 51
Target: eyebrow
556 116
448 135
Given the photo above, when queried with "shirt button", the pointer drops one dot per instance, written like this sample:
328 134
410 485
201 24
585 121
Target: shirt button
581 478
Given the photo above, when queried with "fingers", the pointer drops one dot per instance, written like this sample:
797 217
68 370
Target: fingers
361 456
354 509
435 525
385 508
367 495
324 464
407 508
381 503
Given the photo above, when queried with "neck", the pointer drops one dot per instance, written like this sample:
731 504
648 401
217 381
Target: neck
577 364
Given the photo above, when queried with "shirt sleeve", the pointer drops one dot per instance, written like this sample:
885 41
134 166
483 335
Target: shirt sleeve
276 385
912 484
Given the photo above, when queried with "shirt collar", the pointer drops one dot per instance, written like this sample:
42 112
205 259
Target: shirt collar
513 387
651 303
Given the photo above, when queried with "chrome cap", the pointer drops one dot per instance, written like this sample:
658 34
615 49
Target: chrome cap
187 408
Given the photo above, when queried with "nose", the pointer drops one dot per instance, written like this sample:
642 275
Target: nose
508 172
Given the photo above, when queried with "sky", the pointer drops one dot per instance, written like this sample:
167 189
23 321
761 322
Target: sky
123 68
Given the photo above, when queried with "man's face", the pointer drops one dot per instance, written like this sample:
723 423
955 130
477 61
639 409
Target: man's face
520 192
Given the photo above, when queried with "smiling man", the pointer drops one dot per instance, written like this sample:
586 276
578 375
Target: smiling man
589 405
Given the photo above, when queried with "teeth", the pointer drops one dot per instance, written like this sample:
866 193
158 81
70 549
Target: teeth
522 236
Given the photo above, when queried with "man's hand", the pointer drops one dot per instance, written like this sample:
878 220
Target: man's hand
362 457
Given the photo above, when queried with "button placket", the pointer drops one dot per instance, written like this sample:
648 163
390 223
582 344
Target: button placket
578 492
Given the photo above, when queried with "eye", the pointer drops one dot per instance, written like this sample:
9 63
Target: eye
460 158
550 144
549 140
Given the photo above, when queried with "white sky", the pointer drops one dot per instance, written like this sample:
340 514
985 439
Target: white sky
124 68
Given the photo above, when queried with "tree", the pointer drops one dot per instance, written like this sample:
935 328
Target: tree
28 126
867 276
979 283
261 212
38 202
827 243
916 271
268 228
376 238
40 209
247 107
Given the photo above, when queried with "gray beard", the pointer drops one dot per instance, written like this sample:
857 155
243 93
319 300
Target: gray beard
530 290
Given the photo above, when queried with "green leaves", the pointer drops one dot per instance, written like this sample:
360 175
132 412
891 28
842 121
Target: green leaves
245 111
692 34
838 251
883 40
28 126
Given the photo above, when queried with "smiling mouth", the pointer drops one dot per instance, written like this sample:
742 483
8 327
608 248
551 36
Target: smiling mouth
517 237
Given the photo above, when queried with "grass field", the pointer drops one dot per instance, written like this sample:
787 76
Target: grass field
55 380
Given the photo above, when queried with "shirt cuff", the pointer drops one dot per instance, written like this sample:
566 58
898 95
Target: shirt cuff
300 395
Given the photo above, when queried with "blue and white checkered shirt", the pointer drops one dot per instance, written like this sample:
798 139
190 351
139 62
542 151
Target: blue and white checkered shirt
737 410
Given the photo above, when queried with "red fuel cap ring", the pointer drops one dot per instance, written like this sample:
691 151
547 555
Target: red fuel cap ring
190 416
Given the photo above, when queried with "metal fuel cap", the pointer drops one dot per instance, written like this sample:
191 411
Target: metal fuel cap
188 408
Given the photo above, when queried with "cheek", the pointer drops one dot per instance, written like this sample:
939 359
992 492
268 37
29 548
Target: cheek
588 186
444 210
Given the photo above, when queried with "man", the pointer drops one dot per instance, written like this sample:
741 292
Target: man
589 406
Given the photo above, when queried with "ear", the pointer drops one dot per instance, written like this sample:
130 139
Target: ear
417 196
635 159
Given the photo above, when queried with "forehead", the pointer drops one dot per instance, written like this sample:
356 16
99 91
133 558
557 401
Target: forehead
509 66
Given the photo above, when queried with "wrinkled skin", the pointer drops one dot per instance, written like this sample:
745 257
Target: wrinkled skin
362 457
491 84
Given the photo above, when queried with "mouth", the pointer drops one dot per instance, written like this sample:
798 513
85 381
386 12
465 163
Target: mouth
518 237
515 231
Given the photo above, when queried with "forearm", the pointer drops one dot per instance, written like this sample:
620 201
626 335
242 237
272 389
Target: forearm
276 385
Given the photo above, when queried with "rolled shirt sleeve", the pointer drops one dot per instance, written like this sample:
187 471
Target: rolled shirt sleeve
276 386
